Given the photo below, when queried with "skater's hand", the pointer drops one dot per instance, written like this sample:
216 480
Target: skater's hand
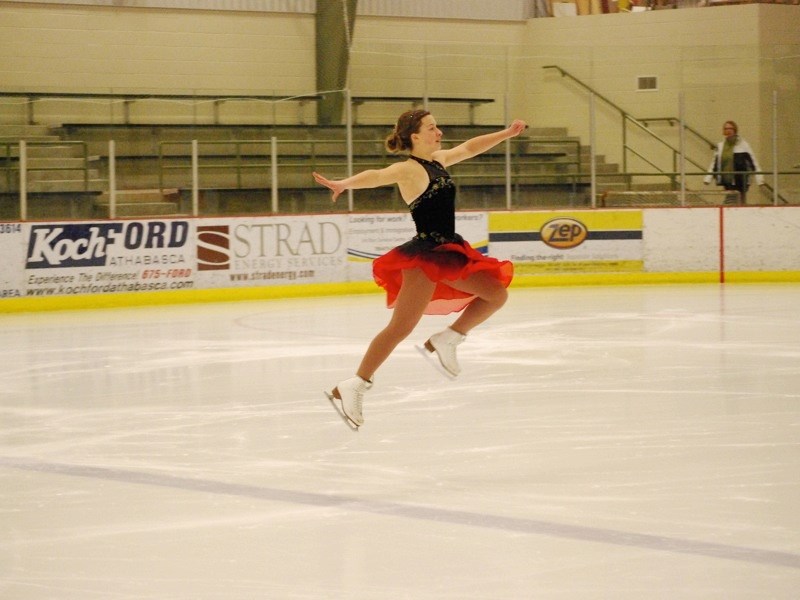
517 127
336 187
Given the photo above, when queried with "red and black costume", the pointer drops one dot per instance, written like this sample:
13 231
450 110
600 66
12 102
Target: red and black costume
441 253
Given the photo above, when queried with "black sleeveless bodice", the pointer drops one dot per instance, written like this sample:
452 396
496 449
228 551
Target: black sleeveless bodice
437 251
434 211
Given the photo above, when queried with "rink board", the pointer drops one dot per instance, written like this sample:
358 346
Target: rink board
107 263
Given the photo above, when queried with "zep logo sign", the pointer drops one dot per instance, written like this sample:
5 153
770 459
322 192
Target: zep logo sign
563 233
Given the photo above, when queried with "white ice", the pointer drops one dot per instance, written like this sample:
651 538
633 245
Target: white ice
626 443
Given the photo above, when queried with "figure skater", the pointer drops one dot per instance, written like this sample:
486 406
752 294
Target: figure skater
436 272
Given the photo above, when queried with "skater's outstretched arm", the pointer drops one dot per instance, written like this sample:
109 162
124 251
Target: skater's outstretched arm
478 145
371 178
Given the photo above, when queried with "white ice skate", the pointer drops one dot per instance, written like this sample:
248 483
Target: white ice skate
444 345
347 398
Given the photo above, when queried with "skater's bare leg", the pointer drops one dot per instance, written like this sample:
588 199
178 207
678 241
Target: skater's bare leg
415 294
491 296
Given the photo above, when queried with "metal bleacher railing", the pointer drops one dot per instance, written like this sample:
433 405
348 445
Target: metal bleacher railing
24 160
30 164
289 163
189 158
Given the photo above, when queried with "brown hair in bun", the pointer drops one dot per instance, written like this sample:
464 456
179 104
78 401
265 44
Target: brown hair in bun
407 124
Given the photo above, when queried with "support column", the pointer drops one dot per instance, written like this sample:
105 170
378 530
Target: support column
335 20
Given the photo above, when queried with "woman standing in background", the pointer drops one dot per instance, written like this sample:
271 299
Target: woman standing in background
733 162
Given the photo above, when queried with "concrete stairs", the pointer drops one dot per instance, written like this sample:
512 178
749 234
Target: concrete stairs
14 133
139 203
53 165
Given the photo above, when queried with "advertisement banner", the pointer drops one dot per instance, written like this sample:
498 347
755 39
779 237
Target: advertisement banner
263 251
371 235
107 257
12 249
569 242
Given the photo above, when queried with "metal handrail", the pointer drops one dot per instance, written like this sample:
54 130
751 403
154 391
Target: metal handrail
626 117
238 164
672 121
643 126
31 97
315 154
712 146
7 165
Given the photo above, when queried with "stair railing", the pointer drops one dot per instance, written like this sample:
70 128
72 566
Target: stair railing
627 119
642 125
672 121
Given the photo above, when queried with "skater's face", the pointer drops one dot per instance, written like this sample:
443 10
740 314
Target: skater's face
429 136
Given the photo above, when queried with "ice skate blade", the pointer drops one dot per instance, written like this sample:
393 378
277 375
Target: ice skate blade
434 360
339 411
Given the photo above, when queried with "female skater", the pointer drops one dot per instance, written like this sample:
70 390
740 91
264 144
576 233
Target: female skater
437 271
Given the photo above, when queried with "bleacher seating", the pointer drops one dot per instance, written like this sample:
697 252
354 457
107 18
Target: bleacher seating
154 154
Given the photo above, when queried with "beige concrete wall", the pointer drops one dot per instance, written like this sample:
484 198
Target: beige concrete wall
122 50
78 47
779 32
722 62
435 58
725 60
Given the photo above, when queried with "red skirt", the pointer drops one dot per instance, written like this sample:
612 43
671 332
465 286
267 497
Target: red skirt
440 263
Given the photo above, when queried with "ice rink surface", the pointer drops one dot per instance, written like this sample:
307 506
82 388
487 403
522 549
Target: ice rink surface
626 443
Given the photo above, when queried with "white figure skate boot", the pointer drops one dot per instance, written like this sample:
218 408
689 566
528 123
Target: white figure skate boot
444 344
348 397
